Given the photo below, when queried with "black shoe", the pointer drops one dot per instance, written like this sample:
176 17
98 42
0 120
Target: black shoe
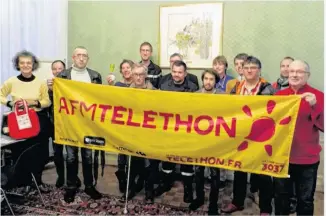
60 182
196 204
69 196
78 182
149 198
93 193
213 210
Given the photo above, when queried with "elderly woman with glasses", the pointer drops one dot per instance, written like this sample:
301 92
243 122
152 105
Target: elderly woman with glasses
27 87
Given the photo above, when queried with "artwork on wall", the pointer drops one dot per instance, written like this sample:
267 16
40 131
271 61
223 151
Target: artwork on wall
194 31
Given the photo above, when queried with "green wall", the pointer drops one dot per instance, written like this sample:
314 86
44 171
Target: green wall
113 31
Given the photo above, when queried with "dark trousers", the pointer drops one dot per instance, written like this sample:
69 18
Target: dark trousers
122 162
169 167
254 183
265 187
58 156
304 178
72 167
200 181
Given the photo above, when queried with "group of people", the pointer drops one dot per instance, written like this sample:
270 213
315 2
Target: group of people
295 194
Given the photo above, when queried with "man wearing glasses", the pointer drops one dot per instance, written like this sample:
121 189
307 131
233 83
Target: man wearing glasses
305 151
80 72
252 84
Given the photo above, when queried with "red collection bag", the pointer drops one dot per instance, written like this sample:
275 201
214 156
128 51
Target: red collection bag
23 123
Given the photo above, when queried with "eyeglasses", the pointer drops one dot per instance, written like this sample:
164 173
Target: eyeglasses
145 50
251 68
138 75
298 72
84 56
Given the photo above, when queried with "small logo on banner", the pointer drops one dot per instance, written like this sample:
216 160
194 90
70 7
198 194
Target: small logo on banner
94 140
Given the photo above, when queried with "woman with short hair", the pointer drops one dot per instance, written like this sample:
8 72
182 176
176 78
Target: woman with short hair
34 91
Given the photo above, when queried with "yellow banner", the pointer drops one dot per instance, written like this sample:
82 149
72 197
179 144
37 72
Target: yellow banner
246 133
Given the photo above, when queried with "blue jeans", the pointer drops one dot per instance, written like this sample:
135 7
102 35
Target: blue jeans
304 178
72 166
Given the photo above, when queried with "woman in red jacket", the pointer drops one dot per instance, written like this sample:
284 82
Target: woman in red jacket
304 156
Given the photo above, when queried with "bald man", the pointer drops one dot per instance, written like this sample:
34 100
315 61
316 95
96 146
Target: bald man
305 151
79 72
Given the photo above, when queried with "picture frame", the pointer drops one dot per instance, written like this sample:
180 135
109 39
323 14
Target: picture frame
193 30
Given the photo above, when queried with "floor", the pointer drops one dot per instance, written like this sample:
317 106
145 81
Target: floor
108 185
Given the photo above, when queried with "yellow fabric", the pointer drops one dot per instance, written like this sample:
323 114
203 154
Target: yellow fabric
225 131
33 90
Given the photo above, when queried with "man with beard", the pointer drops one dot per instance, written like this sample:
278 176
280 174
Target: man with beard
177 57
209 80
178 83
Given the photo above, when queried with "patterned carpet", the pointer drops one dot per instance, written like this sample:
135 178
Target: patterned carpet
108 205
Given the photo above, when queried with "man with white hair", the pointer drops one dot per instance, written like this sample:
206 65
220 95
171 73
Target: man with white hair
304 156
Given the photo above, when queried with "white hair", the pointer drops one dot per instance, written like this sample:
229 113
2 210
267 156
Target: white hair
305 64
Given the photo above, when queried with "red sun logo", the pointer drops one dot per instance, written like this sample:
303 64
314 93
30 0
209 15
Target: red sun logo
263 128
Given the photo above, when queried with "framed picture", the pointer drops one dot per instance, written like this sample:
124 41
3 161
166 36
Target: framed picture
192 30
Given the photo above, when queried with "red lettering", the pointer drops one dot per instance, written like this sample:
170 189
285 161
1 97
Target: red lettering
230 131
281 167
176 158
87 109
189 160
230 162
104 108
148 119
72 102
129 121
203 160
211 160
63 105
179 122
210 125
270 167
166 117
169 157
276 168
117 115
220 161
264 167
237 164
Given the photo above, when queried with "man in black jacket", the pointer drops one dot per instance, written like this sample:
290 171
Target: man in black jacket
191 77
154 71
178 83
79 72
57 66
